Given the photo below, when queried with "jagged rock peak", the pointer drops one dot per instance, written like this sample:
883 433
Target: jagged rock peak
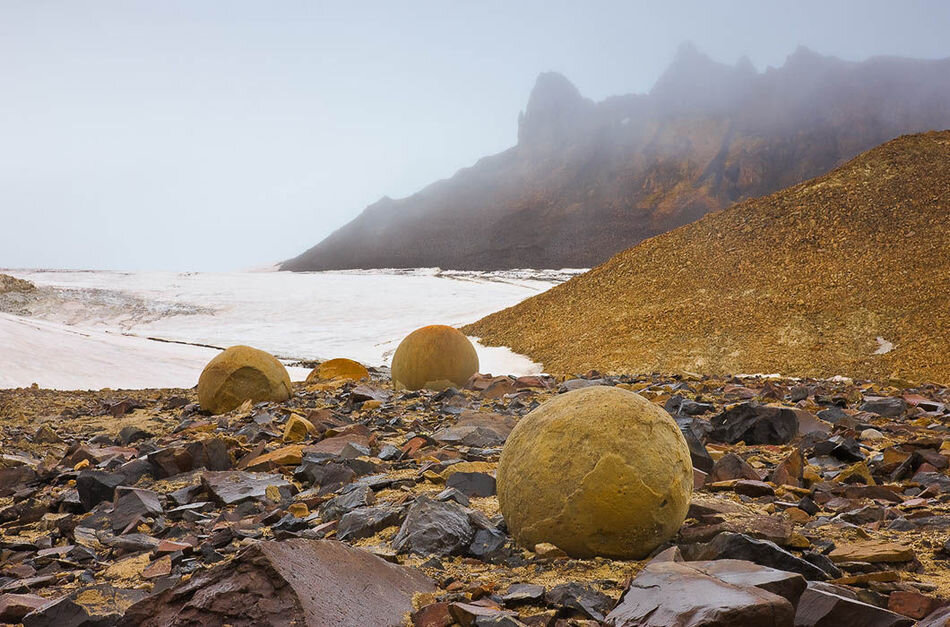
552 89
744 65
692 71
806 59
555 105
688 54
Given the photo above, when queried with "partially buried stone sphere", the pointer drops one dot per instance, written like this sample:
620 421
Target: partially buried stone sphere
240 374
600 471
434 357
338 369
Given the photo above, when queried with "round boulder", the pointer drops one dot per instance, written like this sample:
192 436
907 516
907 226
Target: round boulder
239 374
341 368
599 471
434 357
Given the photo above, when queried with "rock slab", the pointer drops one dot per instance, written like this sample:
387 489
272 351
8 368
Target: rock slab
295 582
682 594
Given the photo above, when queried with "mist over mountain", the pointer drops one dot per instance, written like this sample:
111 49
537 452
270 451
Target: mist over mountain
845 273
587 179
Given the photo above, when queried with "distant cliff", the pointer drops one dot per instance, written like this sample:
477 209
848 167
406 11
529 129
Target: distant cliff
587 179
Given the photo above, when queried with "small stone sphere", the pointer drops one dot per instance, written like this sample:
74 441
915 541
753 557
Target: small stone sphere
340 368
599 471
434 357
239 374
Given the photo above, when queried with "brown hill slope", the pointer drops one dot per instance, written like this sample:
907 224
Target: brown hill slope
801 282
587 180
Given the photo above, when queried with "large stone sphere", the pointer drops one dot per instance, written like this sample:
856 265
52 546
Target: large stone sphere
239 374
434 357
599 471
340 368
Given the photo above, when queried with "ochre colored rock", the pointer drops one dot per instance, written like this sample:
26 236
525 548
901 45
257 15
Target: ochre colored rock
239 374
597 471
284 456
872 551
434 357
342 368
298 429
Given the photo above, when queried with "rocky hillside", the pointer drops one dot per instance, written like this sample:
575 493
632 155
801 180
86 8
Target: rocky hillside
9 284
848 273
587 180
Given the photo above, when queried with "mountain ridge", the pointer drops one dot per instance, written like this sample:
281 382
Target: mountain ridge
587 179
845 274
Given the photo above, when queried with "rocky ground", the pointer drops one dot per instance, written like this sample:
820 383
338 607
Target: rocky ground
816 501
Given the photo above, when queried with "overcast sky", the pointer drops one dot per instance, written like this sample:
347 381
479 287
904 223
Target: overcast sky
199 135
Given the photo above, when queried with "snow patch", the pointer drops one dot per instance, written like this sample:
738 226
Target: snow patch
883 346
92 329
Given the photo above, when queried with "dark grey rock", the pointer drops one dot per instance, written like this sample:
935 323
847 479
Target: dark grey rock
362 496
522 593
132 504
96 486
472 483
823 562
679 405
132 434
235 486
832 414
451 494
367 521
388 452
488 545
580 598
756 424
435 528
728 545
888 406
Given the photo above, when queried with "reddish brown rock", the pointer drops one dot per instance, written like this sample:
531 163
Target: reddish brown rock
433 615
679 593
827 606
296 582
13 478
14 607
753 488
94 606
731 466
335 445
790 471
913 604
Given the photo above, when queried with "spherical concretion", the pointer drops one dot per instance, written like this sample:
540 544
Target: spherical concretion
239 374
599 471
340 368
434 357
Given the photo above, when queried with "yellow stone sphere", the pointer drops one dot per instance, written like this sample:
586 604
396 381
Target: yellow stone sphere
434 357
340 368
239 374
599 471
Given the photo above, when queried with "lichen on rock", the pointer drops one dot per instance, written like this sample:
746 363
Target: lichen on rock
597 471
239 374
434 357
